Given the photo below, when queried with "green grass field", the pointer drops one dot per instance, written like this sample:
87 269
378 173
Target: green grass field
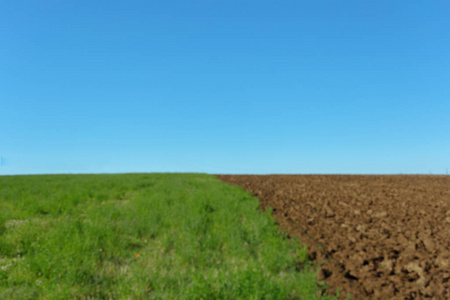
143 236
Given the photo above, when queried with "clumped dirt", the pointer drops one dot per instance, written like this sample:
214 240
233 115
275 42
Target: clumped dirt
374 237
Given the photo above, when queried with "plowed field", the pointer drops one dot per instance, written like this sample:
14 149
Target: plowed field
374 237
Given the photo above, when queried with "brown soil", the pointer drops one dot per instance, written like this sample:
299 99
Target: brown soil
374 237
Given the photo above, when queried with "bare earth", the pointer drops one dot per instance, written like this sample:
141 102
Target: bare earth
373 236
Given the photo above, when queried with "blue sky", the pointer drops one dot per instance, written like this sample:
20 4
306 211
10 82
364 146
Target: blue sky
225 86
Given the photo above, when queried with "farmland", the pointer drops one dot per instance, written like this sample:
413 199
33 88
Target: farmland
144 236
194 236
375 237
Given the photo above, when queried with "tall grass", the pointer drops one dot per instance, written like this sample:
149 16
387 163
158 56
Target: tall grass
143 236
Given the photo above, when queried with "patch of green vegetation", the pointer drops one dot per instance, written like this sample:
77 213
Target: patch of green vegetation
143 236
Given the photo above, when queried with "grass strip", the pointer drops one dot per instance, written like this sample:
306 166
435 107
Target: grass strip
143 236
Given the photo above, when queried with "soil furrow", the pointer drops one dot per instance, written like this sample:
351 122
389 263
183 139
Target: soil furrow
373 236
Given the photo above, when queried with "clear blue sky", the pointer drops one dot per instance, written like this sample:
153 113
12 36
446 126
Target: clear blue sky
225 86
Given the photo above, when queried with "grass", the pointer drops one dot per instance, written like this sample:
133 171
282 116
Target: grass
143 236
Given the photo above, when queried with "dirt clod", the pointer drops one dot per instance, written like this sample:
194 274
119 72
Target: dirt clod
376 237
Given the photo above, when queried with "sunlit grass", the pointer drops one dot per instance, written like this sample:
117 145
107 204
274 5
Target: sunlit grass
148 236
